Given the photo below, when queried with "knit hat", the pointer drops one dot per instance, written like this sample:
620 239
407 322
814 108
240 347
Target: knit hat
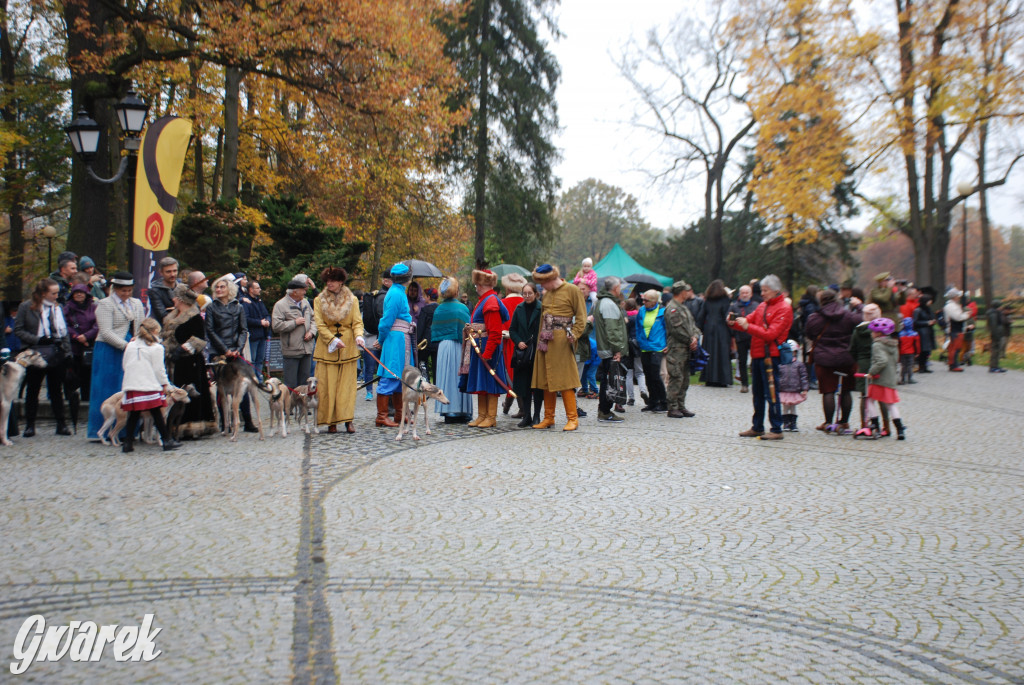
485 277
545 272
86 263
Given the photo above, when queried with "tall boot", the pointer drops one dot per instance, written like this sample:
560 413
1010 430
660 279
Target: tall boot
900 428
382 412
525 410
569 402
549 411
491 420
481 411
396 402
507 404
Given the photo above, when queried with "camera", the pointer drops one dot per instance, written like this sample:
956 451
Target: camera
731 317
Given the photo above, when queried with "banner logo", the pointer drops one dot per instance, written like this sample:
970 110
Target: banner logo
154 231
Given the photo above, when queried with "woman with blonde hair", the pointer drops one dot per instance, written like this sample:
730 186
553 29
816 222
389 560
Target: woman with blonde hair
145 383
450 318
340 336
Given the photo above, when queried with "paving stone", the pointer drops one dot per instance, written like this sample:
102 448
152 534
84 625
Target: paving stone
651 551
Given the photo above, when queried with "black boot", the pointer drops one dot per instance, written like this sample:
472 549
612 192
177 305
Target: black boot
876 431
129 444
900 434
792 424
30 430
62 428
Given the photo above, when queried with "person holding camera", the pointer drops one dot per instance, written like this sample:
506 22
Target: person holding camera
889 295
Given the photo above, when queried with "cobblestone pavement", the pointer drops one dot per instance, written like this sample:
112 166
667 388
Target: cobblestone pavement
656 550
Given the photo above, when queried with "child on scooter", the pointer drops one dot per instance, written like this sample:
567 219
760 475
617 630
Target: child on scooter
884 353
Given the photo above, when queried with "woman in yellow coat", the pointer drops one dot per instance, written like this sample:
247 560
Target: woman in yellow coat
339 327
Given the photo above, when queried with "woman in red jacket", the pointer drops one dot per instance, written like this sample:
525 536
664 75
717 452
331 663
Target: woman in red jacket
487 324
768 327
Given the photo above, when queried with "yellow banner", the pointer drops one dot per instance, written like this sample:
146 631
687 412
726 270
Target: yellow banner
162 155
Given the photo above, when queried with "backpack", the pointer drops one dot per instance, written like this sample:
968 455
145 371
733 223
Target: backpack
373 310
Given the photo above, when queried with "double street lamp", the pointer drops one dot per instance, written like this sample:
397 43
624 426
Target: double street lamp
84 133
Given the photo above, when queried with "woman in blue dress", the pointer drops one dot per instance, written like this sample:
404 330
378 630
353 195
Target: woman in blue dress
394 340
450 318
488 320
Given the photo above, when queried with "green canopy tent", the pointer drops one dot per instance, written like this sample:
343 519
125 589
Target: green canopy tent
618 263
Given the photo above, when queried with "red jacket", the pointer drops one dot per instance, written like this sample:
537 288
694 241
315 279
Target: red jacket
910 344
768 326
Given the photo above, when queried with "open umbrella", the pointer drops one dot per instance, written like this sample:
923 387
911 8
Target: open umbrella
422 269
644 282
504 269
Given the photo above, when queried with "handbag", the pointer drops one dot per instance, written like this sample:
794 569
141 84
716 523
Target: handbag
523 358
809 355
698 359
52 353
616 384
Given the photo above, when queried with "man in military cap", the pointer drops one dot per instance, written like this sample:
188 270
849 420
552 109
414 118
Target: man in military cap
889 297
681 334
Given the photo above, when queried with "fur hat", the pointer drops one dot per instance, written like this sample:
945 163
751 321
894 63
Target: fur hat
545 272
485 277
185 294
334 273
513 283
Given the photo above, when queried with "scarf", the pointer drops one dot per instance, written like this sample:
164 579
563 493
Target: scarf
174 319
45 312
336 307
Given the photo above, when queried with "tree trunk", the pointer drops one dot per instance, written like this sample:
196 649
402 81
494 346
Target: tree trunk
12 174
482 152
198 167
232 83
93 204
986 236
218 156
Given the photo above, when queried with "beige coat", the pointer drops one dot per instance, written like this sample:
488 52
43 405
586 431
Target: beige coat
349 325
282 321
555 370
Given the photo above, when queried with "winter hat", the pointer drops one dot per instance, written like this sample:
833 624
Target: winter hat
185 294
485 277
545 272
513 283
86 263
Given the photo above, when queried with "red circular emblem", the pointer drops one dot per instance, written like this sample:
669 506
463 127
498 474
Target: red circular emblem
154 230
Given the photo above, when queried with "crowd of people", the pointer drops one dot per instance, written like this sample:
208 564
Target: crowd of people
539 341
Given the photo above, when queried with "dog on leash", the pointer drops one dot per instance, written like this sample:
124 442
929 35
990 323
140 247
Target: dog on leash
115 417
177 410
304 400
236 379
280 405
415 393
11 375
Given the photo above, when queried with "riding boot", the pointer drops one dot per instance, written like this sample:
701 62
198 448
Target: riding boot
507 404
549 411
382 412
490 421
569 402
481 411
396 401
525 411
900 428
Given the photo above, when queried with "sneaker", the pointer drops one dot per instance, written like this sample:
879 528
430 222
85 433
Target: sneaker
644 396
608 418
592 396
369 395
580 413
630 403
744 388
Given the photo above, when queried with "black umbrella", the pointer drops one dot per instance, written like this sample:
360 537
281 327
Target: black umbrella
646 281
422 269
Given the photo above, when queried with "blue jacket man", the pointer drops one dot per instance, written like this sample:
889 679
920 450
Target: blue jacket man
650 338
395 340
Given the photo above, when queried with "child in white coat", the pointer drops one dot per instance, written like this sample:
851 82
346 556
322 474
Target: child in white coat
145 383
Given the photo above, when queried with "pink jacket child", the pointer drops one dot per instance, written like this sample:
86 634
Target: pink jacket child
587 275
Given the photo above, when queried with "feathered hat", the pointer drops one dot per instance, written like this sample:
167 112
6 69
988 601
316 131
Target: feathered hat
513 283
545 272
485 277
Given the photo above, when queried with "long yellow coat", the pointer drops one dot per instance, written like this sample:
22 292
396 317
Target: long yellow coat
336 372
555 370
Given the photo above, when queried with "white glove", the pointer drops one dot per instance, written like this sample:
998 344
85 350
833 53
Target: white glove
360 342
334 344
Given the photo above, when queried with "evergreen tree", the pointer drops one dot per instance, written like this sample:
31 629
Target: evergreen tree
510 87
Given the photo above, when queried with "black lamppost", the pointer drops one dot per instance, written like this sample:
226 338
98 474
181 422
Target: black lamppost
84 134
965 189
49 232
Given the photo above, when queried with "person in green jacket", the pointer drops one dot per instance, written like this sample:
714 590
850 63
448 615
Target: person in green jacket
681 335
612 341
